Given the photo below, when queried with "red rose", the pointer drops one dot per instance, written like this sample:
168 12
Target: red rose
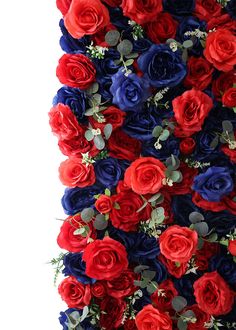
141 11
209 206
204 254
112 115
99 37
74 173
104 204
191 109
105 259
122 286
174 269
231 153
229 98
122 146
122 187
213 294
63 6
166 204
221 49
232 247
223 22
206 9
76 70
163 297
98 289
78 145
125 215
199 73
63 122
223 83
151 318
86 17
178 243
112 3
145 175
163 28
68 240
130 325
201 318
187 146
74 293
112 311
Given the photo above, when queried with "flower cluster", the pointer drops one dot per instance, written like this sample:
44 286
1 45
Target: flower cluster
146 118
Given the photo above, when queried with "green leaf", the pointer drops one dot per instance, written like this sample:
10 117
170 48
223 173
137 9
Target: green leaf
172 163
189 314
89 112
169 41
234 109
212 238
107 131
84 314
158 215
99 142
154 198
107 192
125 47
142 207
157 131
234 199
182 325
149 274
112 37
140 268
89 135
164 135
129 62
100 223
200 243
152 287
93 88
175 176
79 231
227 126
196 217
116 206
224 242
185 55
214 142
97 98
87 214
201 228
137 283
179 303
132 55
188 43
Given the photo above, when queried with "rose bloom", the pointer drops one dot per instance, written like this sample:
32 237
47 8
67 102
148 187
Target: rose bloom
199 73
173 269
201 316
76 146
224 82
223 22
187 146
98 289
178 243
206 9
112 3
151 318
221 49
99 37
112 115
141 11
163 302
112 313
232 247
74 173
213 294
76 70
68 240
145 175
229 98
63 5
163 28
105 259
74 293
231 153
86 17
63 122
103 204
122 286
190 109
130 325
206 205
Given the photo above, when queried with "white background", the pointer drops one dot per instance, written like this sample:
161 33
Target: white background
29 158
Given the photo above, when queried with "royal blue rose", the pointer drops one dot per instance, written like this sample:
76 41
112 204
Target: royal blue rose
221 222
75 313
179 8
213 184
109 171
231 8
162 67
74 98
106 67
182 206
156 266
203 151
170 146
77 199
129 92
141 45
118 19
216 116
184 286
75 266
225 266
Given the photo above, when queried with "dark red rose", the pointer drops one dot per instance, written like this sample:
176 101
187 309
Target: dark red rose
99 37
166 204
221 49
105 259
98 289
130 325
122 146
74 293
151 318
223 22
141 11
191 109
112 3
63 6
86 17
232 247
204 254
223 83
104 204
63 122
213 294
125 215
164 27
112 115
78 145
187 146
68 240
206 9
112 313
199 73
122 286
122 187
201 316
209 206
163 297
229 98
175 269
76 70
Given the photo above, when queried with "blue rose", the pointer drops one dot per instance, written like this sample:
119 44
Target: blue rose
162 67
77 199
179 8
74 98
213 184
182 206
225 266
106 67
214 121
75 266
170 146
129 92
141 45
231 8
184 286
203 152
109 171
63 319
70 44
221 222
158 267
104 88
118 19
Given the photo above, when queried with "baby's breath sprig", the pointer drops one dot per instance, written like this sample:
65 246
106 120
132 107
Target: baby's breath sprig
137 30
86 159
96 51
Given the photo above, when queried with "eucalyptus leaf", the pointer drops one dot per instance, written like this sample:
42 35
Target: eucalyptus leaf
182 325
132 55
112 37
201 228
214 142
188 43
99 142
79 231
142 207
175 176
172 163
151 287
185 55
158 215
89 135
87 214
212 238
137 283
227 126
157 131
154 198
179 303
164 135
107 192
108 131
100 223
89 112
129 62
93 88
189 314
196 217
125 47
200 243
149 274
140 268
97 98
169 41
